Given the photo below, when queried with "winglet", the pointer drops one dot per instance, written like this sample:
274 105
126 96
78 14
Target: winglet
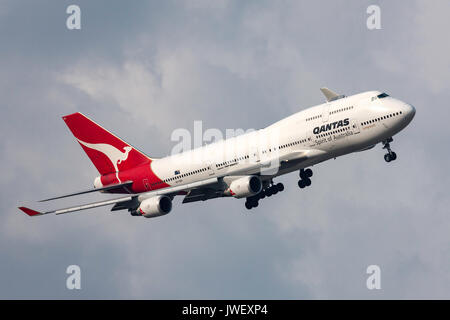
329 94
30 212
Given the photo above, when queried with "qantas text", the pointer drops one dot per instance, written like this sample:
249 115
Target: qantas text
331 126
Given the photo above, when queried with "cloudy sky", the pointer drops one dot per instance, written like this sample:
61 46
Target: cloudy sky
146 68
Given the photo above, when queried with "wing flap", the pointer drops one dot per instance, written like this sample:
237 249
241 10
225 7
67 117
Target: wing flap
201 194
289 157
176 189
92 205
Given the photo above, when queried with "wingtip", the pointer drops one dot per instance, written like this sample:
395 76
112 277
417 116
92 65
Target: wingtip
30 212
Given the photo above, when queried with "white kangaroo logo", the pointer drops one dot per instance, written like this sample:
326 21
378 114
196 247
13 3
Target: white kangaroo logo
114 155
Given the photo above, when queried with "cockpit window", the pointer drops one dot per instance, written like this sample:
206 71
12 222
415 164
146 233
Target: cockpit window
383 95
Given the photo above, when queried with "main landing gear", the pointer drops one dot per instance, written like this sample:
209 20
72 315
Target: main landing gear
252 202
305 176
390 155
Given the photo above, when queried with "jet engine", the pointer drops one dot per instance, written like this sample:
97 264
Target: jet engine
155 206
244 187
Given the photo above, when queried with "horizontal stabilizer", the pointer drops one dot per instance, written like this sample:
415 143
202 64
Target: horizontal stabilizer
117 186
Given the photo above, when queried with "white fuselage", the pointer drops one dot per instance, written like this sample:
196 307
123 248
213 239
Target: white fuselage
319 133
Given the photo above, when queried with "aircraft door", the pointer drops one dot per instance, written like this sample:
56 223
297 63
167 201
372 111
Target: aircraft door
146 184
210 168
325 112
355 127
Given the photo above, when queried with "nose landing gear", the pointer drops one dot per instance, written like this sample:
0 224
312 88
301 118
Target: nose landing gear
390 155
305 176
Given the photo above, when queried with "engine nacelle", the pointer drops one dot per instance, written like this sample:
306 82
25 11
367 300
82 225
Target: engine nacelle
244 187
155 206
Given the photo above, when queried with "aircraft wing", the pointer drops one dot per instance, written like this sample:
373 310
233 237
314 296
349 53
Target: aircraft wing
118 186
202 194
195 191
33 213
128 200
292 157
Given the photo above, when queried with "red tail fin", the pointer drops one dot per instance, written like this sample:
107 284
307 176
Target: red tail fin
107 152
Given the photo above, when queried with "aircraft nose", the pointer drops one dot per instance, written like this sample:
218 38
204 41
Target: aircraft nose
410 111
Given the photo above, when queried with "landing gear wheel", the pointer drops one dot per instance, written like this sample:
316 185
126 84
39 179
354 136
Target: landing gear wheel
251 203
301 184
393 156
305 173
308 173
307 182
280 186
387 157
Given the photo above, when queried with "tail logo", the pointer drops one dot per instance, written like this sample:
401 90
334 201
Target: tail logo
114 155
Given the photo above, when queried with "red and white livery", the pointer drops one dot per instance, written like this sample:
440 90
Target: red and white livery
241 167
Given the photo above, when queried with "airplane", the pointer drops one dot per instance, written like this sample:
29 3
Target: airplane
243 166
